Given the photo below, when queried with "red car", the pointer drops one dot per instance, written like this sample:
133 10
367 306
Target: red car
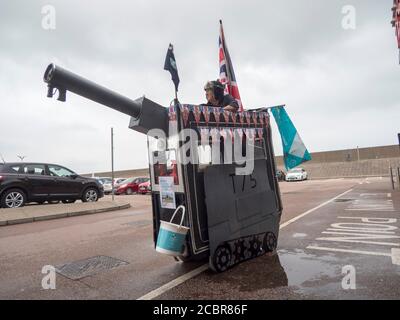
130 186
145 187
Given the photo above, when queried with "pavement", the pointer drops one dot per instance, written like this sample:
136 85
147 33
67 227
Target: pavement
36 212
338 240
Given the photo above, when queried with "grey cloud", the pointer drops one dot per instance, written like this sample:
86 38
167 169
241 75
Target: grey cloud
292 52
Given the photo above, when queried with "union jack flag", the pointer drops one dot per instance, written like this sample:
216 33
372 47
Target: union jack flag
396 20
226 73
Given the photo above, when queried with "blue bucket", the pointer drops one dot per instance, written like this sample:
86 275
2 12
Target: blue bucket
171 237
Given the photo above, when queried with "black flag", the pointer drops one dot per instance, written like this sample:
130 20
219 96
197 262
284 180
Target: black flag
170 65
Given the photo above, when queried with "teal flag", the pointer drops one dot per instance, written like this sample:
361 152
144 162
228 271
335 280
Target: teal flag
294 150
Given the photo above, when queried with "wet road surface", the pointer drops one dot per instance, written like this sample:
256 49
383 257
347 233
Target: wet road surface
297 271
357 234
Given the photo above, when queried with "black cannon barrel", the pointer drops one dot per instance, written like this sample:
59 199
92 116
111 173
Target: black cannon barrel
63 80
145 114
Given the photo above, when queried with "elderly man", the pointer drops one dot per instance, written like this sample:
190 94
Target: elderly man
216 98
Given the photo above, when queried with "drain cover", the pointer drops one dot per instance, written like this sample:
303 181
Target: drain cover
139 223
82 268
343 200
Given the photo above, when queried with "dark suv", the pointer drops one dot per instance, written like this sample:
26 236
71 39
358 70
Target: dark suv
21 183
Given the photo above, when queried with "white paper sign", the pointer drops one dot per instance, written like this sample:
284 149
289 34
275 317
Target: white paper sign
167 194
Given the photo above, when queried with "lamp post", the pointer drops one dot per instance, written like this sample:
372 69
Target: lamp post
112 163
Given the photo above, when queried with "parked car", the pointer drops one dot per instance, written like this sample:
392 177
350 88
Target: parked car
130 185
21 183
106 182
296 174
280 175
145 187
118 181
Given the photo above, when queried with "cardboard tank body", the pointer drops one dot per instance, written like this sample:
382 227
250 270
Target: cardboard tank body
231 217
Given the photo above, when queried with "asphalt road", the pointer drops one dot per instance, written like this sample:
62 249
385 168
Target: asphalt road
307 264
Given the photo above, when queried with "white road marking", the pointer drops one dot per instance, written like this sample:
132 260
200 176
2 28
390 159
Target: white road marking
362 230
157 292
371 205
396 256
386 209
389 195
371 228
363 226
312 210
176 282
370 219
395 253
299 235
356 238
372 253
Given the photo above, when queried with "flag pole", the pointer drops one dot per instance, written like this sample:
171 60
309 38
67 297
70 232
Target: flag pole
267 108
176 91
170 65
278 106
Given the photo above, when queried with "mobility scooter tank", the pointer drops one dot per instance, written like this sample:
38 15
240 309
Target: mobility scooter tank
232 213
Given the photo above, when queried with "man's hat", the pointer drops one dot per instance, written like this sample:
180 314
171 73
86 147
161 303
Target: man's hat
210 85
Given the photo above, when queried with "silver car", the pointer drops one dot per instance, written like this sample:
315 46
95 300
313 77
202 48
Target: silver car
296 174
107 184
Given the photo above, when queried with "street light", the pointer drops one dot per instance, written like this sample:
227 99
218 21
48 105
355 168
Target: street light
112 162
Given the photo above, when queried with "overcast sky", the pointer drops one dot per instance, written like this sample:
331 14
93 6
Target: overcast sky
341 87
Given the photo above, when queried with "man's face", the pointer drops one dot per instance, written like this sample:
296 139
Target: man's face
210 96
